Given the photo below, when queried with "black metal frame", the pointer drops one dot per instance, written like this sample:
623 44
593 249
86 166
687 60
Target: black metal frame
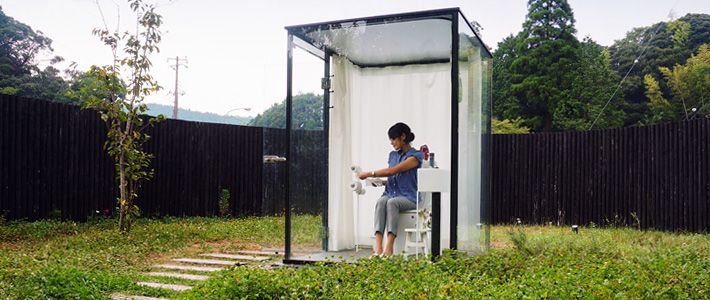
299 31
326 132
289 100
454 192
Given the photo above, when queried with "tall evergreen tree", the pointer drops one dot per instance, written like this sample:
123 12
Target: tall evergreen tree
542 73
590 96
505 105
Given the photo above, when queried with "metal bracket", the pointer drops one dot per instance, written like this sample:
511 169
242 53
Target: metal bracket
325 83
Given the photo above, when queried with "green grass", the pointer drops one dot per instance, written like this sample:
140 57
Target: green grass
60 260
532 263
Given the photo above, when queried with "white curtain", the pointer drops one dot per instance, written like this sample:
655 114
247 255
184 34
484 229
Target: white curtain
366 102
341 228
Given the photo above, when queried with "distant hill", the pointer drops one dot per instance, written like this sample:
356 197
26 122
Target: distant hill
189 115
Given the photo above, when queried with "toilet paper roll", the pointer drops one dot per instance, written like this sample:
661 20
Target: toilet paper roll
357 188
355 169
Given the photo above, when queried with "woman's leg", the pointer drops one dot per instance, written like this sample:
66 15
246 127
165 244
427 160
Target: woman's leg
394 206
380 222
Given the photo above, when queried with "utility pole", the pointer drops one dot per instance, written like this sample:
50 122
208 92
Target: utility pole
178 62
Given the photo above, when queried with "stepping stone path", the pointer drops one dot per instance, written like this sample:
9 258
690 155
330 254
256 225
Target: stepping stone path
118 296
178 275
207 261
189 268
236 256
174 287
188 265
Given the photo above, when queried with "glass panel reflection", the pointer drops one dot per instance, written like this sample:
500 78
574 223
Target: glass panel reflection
308 168
473 132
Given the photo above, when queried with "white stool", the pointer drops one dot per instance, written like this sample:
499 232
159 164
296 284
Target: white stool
417 238
407 219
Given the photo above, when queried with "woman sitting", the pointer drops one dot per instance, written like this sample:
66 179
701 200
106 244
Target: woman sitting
401 188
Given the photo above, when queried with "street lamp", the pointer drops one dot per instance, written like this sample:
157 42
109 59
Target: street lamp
238 108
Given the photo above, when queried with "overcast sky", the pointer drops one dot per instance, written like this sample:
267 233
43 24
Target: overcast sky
236 49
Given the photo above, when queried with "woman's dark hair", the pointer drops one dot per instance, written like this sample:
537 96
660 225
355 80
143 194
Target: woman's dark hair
398 129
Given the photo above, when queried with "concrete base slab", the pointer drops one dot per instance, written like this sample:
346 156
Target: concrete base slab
261 252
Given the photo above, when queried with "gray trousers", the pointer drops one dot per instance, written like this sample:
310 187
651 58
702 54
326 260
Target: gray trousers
387 212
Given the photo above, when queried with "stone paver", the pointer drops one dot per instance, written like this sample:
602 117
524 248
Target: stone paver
190 264
178 275
236 256
207 261
118 296
174 287
189 268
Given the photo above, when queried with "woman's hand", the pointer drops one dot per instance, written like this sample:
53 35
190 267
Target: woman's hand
363 175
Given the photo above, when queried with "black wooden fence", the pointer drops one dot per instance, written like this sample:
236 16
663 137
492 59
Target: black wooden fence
52 163
309 172
51 160
653 177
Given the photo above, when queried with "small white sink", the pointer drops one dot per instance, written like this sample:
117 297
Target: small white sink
433 180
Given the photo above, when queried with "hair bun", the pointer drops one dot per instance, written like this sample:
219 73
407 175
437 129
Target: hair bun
399 129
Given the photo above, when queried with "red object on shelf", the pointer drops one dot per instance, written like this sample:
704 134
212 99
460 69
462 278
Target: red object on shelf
425 149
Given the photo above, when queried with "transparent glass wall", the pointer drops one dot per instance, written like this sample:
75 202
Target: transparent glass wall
308 162
486 144
474 130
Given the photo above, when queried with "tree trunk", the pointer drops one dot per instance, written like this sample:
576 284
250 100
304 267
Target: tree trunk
123 199
548 123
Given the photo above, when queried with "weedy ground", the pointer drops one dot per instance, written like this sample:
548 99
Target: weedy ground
60 260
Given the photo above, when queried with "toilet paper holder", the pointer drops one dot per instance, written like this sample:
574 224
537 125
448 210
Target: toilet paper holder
272 159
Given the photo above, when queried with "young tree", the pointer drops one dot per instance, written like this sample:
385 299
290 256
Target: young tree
542 72
690 84
121 104
660 109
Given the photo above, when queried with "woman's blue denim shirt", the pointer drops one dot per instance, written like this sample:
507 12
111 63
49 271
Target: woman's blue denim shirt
403 184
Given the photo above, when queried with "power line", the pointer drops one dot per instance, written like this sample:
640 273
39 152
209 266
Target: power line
178 62
645 42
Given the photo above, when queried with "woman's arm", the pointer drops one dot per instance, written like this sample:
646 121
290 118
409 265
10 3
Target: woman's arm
408 164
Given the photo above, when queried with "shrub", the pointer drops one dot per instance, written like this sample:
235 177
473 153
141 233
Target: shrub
224 207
